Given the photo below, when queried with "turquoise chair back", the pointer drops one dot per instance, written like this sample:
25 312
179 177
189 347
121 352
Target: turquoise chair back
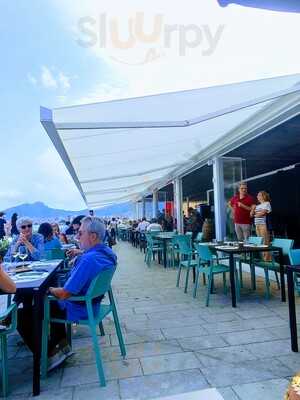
101 284
54 254
295 256
257 240
184 244
204 252
12 312
150 241
284 244
199 237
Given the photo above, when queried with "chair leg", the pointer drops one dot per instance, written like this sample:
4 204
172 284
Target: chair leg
209 287
4 365
117 324
241 273
267 282
237 285
102 332
196 283
45 334
97 354
178 276
187 279
277 280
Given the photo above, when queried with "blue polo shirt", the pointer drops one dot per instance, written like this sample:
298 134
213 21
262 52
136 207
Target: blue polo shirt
93 261
54 243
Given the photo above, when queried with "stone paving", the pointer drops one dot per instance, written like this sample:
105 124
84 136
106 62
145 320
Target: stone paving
174 343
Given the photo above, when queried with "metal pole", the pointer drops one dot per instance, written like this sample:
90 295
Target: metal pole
178 203
219 198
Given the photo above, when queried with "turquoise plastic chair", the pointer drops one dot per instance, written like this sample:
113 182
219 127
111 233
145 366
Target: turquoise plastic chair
257 240
208 265
11 312
153 246
99 287
186 255
286 246
295 260
199 237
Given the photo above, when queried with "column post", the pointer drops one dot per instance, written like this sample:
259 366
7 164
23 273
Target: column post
219 198
178 203
154 204
143 207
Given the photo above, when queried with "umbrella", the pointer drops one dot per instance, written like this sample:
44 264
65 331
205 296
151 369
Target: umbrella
275 5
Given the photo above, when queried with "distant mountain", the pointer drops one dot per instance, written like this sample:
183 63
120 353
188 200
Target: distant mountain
40 211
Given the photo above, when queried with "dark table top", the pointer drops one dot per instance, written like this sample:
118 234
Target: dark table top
239 249
47 270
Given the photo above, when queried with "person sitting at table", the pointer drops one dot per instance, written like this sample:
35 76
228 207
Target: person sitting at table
57 233
32 243
154 226
96 257
50 240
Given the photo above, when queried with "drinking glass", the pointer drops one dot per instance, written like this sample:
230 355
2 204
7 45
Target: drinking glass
23 253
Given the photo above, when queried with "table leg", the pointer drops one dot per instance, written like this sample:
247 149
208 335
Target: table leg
282 280
37 332
252 271
292 310
232 280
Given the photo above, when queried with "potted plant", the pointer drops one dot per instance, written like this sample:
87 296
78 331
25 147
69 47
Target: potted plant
4 244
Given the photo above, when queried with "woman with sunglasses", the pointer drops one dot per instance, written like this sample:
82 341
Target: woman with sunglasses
26 241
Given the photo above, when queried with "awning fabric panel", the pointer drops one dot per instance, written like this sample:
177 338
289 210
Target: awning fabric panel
118 164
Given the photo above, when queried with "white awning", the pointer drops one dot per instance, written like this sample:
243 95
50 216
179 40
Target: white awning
117 151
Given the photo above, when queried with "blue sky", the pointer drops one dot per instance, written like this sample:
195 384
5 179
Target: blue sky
42 64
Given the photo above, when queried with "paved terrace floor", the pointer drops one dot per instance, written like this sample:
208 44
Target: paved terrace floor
174 343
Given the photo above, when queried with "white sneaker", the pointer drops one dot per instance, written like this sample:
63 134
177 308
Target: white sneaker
56 360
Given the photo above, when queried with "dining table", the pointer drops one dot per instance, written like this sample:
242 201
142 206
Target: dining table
33 280
164 237
237 248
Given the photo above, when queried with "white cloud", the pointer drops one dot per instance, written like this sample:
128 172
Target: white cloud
51 78
47 78
32 79
64 81
9 197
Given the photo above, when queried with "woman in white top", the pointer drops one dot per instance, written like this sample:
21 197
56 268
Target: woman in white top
260 212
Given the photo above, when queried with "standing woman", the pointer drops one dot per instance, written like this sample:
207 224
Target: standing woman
260 212
14 230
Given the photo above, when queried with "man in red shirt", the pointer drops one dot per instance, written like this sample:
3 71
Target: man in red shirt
241 205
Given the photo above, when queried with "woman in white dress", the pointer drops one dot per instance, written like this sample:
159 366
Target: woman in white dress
260 212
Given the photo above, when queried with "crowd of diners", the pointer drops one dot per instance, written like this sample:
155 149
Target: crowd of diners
90 256
92 253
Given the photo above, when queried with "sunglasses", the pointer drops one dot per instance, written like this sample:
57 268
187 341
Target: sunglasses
26 226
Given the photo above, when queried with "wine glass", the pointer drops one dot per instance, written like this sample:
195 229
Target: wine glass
23 253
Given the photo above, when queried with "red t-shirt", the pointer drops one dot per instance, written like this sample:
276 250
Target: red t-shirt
240 215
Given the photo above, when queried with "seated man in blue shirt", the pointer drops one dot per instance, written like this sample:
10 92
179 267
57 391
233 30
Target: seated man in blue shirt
26 242
97 257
